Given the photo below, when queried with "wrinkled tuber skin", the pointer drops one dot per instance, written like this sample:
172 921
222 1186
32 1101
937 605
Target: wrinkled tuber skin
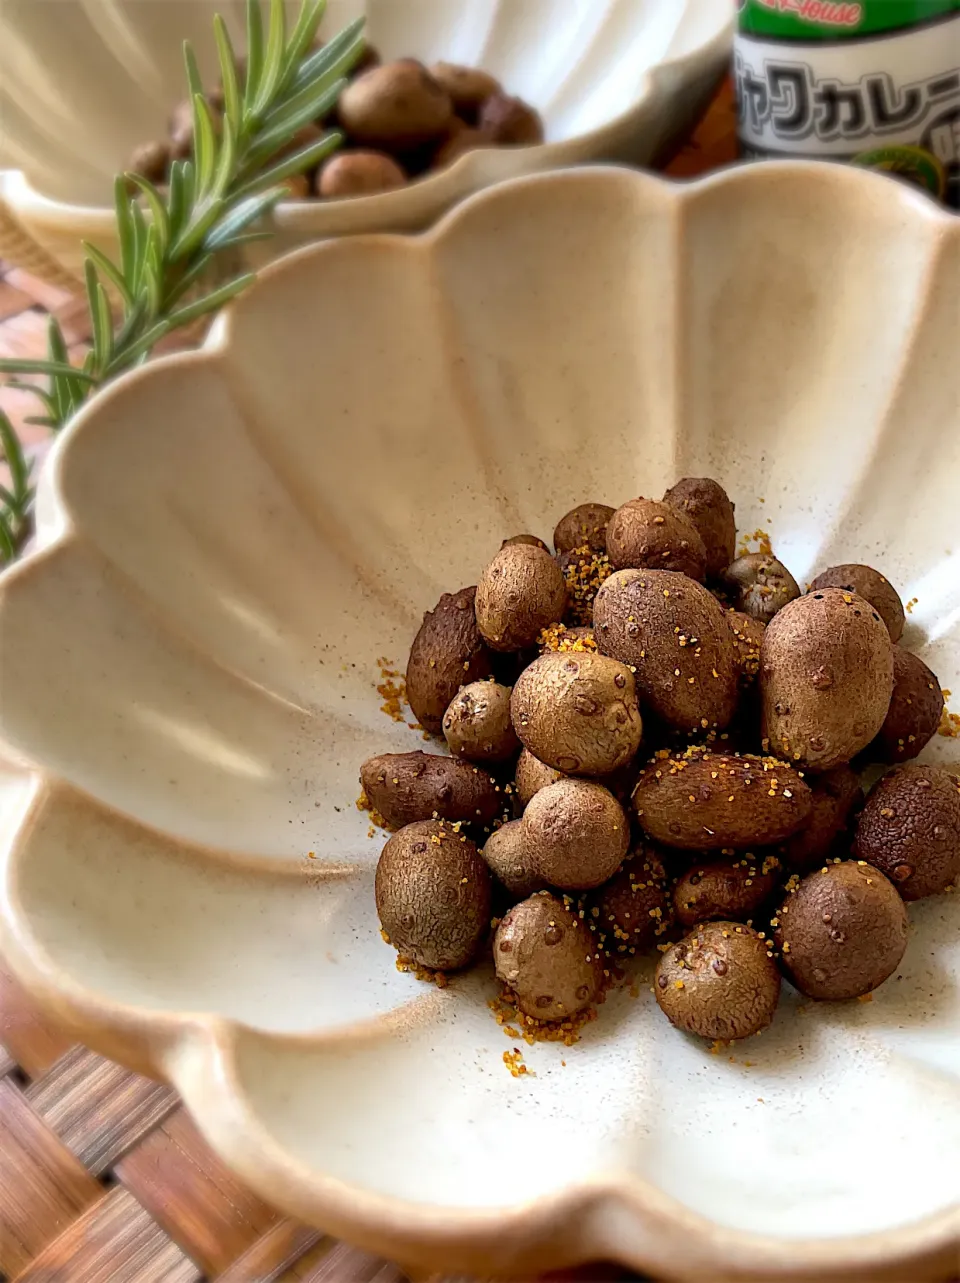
872 587
729 890
719 982
583 527
532 775
576 834
520 593
633 908
842 932
406 787
709 801
433 895
675 636
447 653
759 585
508 859
916 707
578 712
477 724
648 535
547 956
909 829
826 678
706 504
836 796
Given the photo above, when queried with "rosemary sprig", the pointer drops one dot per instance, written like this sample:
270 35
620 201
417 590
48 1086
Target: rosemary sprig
15 502
168 240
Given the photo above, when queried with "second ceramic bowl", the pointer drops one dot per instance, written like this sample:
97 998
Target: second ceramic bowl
82 83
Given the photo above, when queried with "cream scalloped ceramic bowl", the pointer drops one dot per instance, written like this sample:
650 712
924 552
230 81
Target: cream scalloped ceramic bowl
233 539
83 81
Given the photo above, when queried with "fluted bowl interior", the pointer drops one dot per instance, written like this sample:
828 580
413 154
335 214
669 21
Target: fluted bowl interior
236 541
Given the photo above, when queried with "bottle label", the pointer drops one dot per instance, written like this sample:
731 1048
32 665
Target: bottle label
890 100
837 19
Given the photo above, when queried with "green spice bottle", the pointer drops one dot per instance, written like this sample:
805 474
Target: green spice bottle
871 82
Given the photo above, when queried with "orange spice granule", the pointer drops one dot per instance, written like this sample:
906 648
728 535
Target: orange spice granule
507 1014
910 605
514 1062
559 637
949 722
584 570
749 651
376 819
759 537
438 978
392 689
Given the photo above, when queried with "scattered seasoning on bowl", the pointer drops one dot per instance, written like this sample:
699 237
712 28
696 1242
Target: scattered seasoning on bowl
392 688
762 540
531 1030
514 1062
426 974
949 722
376 819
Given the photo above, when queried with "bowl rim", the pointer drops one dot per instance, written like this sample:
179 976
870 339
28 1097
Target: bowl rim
617 1216
486 165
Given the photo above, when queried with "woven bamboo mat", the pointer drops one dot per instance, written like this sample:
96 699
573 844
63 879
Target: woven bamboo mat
103 1176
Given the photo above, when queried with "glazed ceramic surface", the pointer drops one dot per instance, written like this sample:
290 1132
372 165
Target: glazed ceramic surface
233 541
83 81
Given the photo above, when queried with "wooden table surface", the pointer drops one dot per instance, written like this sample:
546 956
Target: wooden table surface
103 1176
